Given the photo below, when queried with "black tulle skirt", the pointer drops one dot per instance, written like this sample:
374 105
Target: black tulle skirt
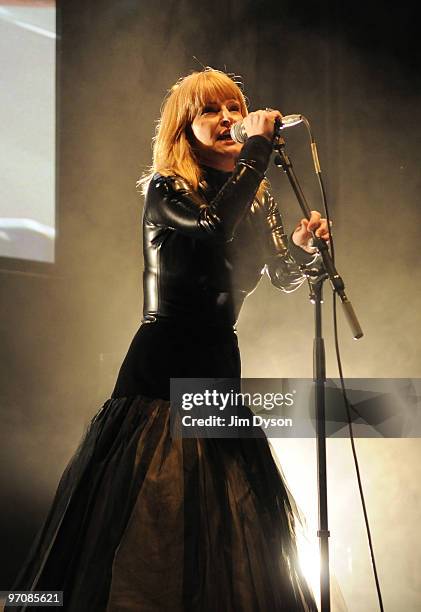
144 522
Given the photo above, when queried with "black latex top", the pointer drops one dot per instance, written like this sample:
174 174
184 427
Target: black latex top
205 250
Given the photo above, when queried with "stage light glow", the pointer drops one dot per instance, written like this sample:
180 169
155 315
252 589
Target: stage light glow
309 558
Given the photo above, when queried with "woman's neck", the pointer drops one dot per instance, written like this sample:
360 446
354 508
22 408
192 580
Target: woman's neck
218 162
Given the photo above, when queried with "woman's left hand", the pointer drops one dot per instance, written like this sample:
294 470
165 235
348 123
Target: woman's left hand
302 235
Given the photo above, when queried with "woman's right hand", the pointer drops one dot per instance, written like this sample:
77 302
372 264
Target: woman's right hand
261 123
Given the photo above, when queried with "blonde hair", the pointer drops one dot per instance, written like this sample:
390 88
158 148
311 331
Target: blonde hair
173 152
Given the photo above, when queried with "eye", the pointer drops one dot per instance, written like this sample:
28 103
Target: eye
209 109
234 107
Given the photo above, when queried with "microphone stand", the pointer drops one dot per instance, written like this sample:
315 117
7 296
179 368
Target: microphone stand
316 280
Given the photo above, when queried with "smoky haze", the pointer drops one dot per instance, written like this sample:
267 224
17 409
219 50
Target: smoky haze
66 329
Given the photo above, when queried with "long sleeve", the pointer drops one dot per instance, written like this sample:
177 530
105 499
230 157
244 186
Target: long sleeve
172 203
283 257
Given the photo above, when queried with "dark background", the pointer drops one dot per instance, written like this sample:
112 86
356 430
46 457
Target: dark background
354 71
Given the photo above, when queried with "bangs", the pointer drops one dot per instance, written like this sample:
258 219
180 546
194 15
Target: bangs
200 88
215 89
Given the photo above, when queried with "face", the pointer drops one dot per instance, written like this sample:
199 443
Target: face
211 130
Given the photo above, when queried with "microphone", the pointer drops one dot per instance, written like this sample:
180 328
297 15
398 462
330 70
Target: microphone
239 134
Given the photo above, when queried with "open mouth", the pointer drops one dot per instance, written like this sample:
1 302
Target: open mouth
224 136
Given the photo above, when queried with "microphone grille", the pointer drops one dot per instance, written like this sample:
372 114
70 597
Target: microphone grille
238 133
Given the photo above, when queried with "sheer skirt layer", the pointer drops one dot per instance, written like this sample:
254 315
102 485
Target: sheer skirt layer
145 522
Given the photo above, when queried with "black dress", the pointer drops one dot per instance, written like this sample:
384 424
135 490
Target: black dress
145 522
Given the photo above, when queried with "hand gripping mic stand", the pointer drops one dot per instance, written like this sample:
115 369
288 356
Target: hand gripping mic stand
319 362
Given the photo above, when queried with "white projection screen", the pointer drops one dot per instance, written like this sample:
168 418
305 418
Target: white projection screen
27 154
